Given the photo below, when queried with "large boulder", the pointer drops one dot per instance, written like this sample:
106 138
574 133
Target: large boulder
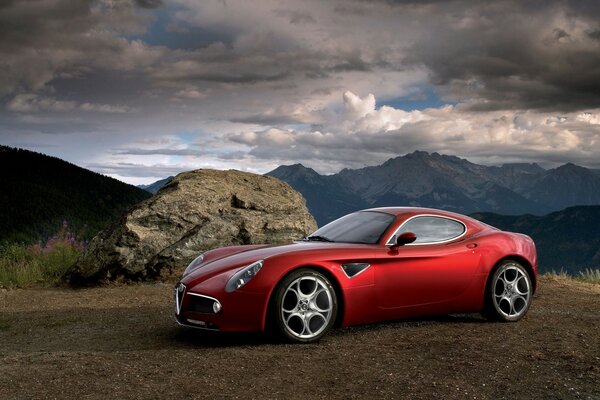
197 211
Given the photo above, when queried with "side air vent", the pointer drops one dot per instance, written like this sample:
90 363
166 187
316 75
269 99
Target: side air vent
353 269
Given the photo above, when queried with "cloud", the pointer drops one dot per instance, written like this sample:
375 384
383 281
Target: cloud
30 102
105 108
356 108
285 114
363 134
160 151
137 170
192 93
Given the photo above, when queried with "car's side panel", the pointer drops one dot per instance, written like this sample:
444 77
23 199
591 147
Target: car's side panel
419 275
499 245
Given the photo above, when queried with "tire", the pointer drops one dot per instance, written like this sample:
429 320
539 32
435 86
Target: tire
509 292
305 306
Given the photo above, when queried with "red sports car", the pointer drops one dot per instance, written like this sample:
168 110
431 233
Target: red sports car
371 265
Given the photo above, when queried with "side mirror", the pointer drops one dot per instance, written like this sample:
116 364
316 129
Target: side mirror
405 238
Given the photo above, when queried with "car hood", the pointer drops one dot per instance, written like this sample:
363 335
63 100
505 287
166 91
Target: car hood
246 255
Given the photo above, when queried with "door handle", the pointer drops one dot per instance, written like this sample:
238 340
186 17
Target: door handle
472 245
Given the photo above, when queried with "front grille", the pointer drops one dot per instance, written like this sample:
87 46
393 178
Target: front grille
201 304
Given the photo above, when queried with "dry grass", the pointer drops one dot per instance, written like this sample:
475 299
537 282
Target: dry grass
589 275
562 274
25 266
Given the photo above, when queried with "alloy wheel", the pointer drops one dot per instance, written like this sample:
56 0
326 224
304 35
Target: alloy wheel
511 291
307 307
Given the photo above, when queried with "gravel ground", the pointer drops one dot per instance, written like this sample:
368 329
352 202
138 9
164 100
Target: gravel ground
121 342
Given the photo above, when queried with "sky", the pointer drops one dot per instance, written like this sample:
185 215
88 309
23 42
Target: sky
140 90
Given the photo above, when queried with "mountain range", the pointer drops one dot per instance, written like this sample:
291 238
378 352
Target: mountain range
40 192
445 182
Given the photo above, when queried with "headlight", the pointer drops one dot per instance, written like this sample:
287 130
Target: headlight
243 276
197 261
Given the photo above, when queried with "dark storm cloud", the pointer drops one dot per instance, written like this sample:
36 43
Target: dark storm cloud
510 54
560 34
149 3
224 77
296 17
221 64
24 23
43 40
595 34
352 64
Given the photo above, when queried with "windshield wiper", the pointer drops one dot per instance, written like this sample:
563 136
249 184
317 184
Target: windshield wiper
318 238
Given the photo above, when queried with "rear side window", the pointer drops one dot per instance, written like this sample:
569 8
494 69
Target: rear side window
431 229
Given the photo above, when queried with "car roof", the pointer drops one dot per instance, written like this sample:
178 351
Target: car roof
413 210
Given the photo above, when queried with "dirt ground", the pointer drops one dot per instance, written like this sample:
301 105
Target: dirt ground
121 342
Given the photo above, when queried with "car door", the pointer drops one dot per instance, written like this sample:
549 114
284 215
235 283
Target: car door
438 267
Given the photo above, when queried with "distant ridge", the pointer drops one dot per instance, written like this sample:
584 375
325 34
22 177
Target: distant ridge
446 182
39 192
156 186
326 197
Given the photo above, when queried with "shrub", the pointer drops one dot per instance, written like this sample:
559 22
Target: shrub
29 265
19 266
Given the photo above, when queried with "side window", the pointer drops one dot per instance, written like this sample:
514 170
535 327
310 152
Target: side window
431 229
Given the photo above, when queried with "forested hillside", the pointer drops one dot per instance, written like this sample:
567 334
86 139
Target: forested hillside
566 240
39 193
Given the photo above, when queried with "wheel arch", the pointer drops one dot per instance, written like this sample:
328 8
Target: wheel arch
321 269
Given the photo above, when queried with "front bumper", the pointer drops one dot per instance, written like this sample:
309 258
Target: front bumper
196 303
239 311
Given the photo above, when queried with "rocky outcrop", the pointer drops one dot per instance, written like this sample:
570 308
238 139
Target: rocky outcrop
197 211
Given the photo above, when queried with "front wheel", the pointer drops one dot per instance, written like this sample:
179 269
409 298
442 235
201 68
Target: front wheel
509 293
305 306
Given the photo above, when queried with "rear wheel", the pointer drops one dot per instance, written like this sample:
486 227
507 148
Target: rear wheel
305 306
509 292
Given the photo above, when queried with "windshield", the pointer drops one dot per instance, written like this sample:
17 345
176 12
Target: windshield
360 227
